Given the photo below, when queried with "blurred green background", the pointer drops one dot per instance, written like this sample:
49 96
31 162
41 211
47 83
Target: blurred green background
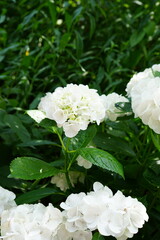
45 44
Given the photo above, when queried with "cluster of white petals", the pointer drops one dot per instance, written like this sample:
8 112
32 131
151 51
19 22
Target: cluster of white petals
6 200
144 91
73 108
83 162
31 222
63 233
61 182
109 101
112 215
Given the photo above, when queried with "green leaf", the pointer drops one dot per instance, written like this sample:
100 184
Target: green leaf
52 11
79 44
29 168
114 144
102 159
152 173
47 123
92 25
27 19
97 236
12 47
82 139
2 18
136 38
156 140
17 127
64 41
35 195
68 20
124 106
77 12
37 143
100 75
150 28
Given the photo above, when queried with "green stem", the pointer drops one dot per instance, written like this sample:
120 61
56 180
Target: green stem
67 164
34 184
68 180
61 141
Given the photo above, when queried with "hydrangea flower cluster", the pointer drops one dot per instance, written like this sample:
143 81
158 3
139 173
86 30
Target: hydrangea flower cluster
73 108
112 215
144 91
31 222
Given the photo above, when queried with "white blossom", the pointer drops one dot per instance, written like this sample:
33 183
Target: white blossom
61 182
73 108
95 203
123 217
83 162
6 199
30 222
73 212
144 90
147 74
109 102
112 215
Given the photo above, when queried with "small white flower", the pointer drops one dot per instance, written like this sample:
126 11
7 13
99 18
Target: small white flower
73 108
6 200
83 162
109 102
61 181
59 21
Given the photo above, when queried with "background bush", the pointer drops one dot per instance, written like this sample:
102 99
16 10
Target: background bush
46 44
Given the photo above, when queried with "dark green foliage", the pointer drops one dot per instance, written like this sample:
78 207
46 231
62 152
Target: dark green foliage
47 44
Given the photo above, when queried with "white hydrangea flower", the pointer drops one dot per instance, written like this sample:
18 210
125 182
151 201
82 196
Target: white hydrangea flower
73 212
61 181
112 215
30 222
123 218
146 74
144 90
73 108
95 203
6 200
109 102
